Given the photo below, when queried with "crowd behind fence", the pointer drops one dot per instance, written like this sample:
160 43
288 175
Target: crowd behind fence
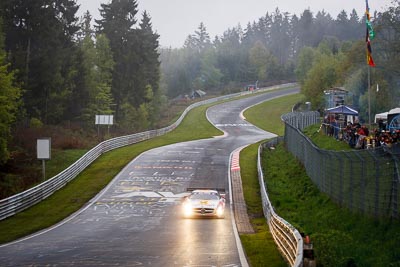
365 181
359 136
17 203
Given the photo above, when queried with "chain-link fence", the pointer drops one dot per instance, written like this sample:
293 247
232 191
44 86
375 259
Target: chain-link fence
364 180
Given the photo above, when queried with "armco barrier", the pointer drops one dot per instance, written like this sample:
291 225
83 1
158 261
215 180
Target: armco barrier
287 238
16 203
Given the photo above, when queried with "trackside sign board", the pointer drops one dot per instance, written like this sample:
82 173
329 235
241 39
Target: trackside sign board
104 119
43 148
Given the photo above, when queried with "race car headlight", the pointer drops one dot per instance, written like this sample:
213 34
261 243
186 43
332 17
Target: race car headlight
187 209
220 211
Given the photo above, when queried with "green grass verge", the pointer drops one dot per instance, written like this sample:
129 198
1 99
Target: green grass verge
62 159
323 141
267 115
260 247
94 178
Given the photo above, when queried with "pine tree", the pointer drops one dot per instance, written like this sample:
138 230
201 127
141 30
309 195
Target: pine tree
9 101
86 78
151 68
39 39
104 64
118 19
98 64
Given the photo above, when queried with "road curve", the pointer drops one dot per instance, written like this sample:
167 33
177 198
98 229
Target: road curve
135 220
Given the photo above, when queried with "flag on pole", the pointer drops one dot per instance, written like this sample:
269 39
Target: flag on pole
370 30
370 35
370 61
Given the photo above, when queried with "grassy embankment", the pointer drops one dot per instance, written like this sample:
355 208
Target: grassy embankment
260 247
340 238
323 141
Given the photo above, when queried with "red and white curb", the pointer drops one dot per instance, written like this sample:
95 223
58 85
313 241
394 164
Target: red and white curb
235 160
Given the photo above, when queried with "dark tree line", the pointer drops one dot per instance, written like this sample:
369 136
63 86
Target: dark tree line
64 69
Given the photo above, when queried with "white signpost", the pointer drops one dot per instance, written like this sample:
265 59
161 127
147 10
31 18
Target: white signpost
43 149
104 120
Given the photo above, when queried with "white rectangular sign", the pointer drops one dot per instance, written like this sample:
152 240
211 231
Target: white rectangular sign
43 148
104 119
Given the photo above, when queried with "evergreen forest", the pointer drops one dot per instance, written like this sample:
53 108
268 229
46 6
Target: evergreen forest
60 70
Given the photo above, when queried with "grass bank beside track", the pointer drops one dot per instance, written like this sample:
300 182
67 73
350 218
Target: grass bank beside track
323 141
267 115
260 247
340 238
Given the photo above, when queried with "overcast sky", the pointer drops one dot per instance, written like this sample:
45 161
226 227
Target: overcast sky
174 20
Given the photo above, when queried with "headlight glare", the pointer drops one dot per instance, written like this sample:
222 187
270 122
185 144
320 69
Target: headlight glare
220 211
187 209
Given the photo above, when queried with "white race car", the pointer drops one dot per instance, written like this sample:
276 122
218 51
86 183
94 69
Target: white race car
204 203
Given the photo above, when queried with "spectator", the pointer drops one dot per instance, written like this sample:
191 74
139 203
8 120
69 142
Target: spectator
335 128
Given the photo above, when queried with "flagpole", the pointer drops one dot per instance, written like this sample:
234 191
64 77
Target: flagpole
369 96
370 35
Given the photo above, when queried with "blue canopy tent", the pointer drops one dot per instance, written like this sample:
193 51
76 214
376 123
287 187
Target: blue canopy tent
393 119
342 114
342 109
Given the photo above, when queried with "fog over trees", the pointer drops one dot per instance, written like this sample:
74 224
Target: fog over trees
317 50
57 68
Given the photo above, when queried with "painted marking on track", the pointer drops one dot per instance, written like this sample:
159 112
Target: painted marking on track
169 160
139 193
172 195
149 198
150 194
163 167
130 188
138 180
233 125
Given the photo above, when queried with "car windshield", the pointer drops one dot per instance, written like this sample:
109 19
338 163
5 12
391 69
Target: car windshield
205 196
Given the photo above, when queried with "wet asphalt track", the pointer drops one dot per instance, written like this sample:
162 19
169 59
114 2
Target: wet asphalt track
136 220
